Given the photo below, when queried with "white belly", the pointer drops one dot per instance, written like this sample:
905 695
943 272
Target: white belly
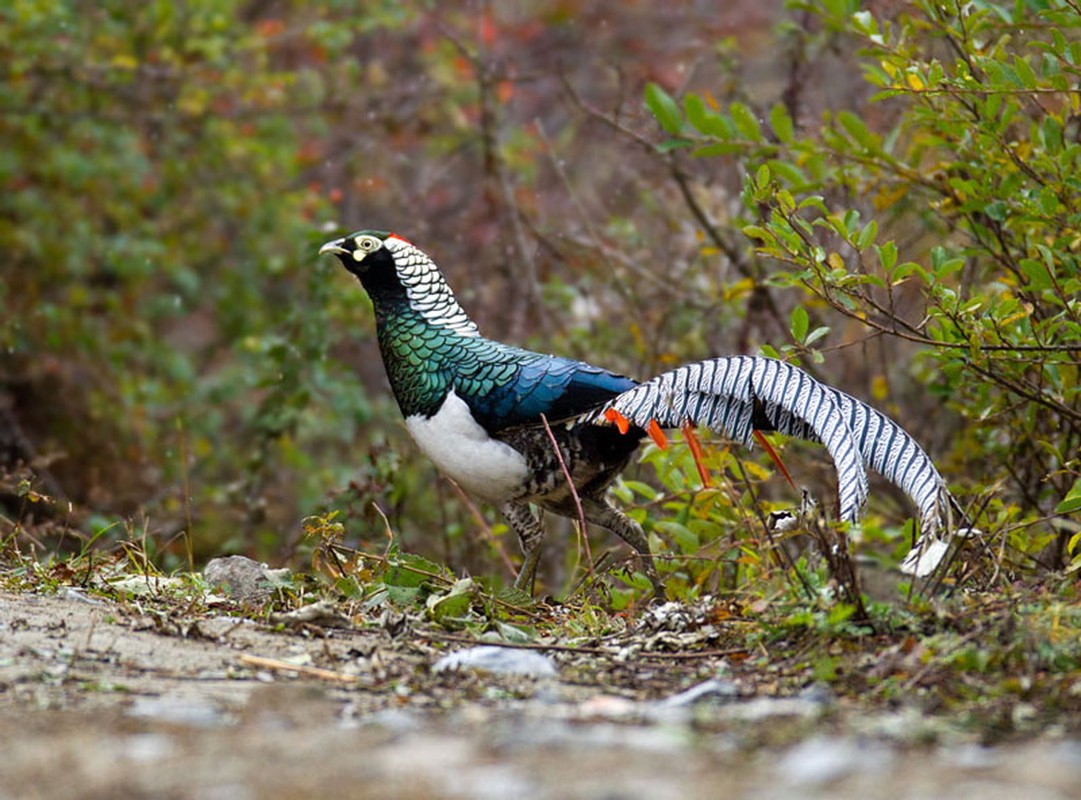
462 450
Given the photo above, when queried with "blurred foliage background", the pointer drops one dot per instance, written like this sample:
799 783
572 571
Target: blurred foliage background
886 192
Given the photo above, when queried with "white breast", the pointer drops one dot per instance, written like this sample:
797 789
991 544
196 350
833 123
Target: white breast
462 450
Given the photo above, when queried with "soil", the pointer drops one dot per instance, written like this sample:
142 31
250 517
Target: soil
112 700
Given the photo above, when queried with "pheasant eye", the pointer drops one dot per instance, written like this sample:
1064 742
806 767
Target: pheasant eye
364 245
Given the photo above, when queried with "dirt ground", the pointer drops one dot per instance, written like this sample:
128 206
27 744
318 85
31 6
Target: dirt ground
110 701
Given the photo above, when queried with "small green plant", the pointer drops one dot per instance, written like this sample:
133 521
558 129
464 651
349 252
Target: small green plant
409 582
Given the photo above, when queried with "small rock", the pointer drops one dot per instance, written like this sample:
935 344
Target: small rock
498 661
713 689
242 578
71 593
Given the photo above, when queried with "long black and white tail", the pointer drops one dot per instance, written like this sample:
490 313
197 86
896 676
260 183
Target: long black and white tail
737 395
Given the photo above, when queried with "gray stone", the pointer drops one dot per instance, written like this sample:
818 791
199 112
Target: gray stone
499 661
242 578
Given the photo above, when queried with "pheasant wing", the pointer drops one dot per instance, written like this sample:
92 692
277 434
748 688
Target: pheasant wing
506 386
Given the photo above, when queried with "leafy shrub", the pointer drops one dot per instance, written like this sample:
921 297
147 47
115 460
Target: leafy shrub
948 229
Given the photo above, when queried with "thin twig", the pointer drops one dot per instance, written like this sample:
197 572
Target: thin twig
485 528
185 482
284 666
582 650
582 532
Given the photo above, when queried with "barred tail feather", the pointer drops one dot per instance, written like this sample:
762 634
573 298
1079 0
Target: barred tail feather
890 451
735 395
729 395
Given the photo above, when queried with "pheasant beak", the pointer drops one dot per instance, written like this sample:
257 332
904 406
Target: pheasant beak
334 247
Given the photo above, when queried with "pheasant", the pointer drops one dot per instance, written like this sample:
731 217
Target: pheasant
488 414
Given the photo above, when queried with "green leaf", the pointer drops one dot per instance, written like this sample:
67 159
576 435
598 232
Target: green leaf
704 119
800 323
642 489
409 570
814 201
867 235
453 604
1001 73
686 540
851 221
757 232
788 172
762 176
816 334
746 123
514 633
1049 201
1072 502
1025 72
664 108
1038 276
857 130
402 595
781 123
1051 133
942 264
887 255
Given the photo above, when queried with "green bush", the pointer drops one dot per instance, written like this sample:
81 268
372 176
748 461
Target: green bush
952 226
165 326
